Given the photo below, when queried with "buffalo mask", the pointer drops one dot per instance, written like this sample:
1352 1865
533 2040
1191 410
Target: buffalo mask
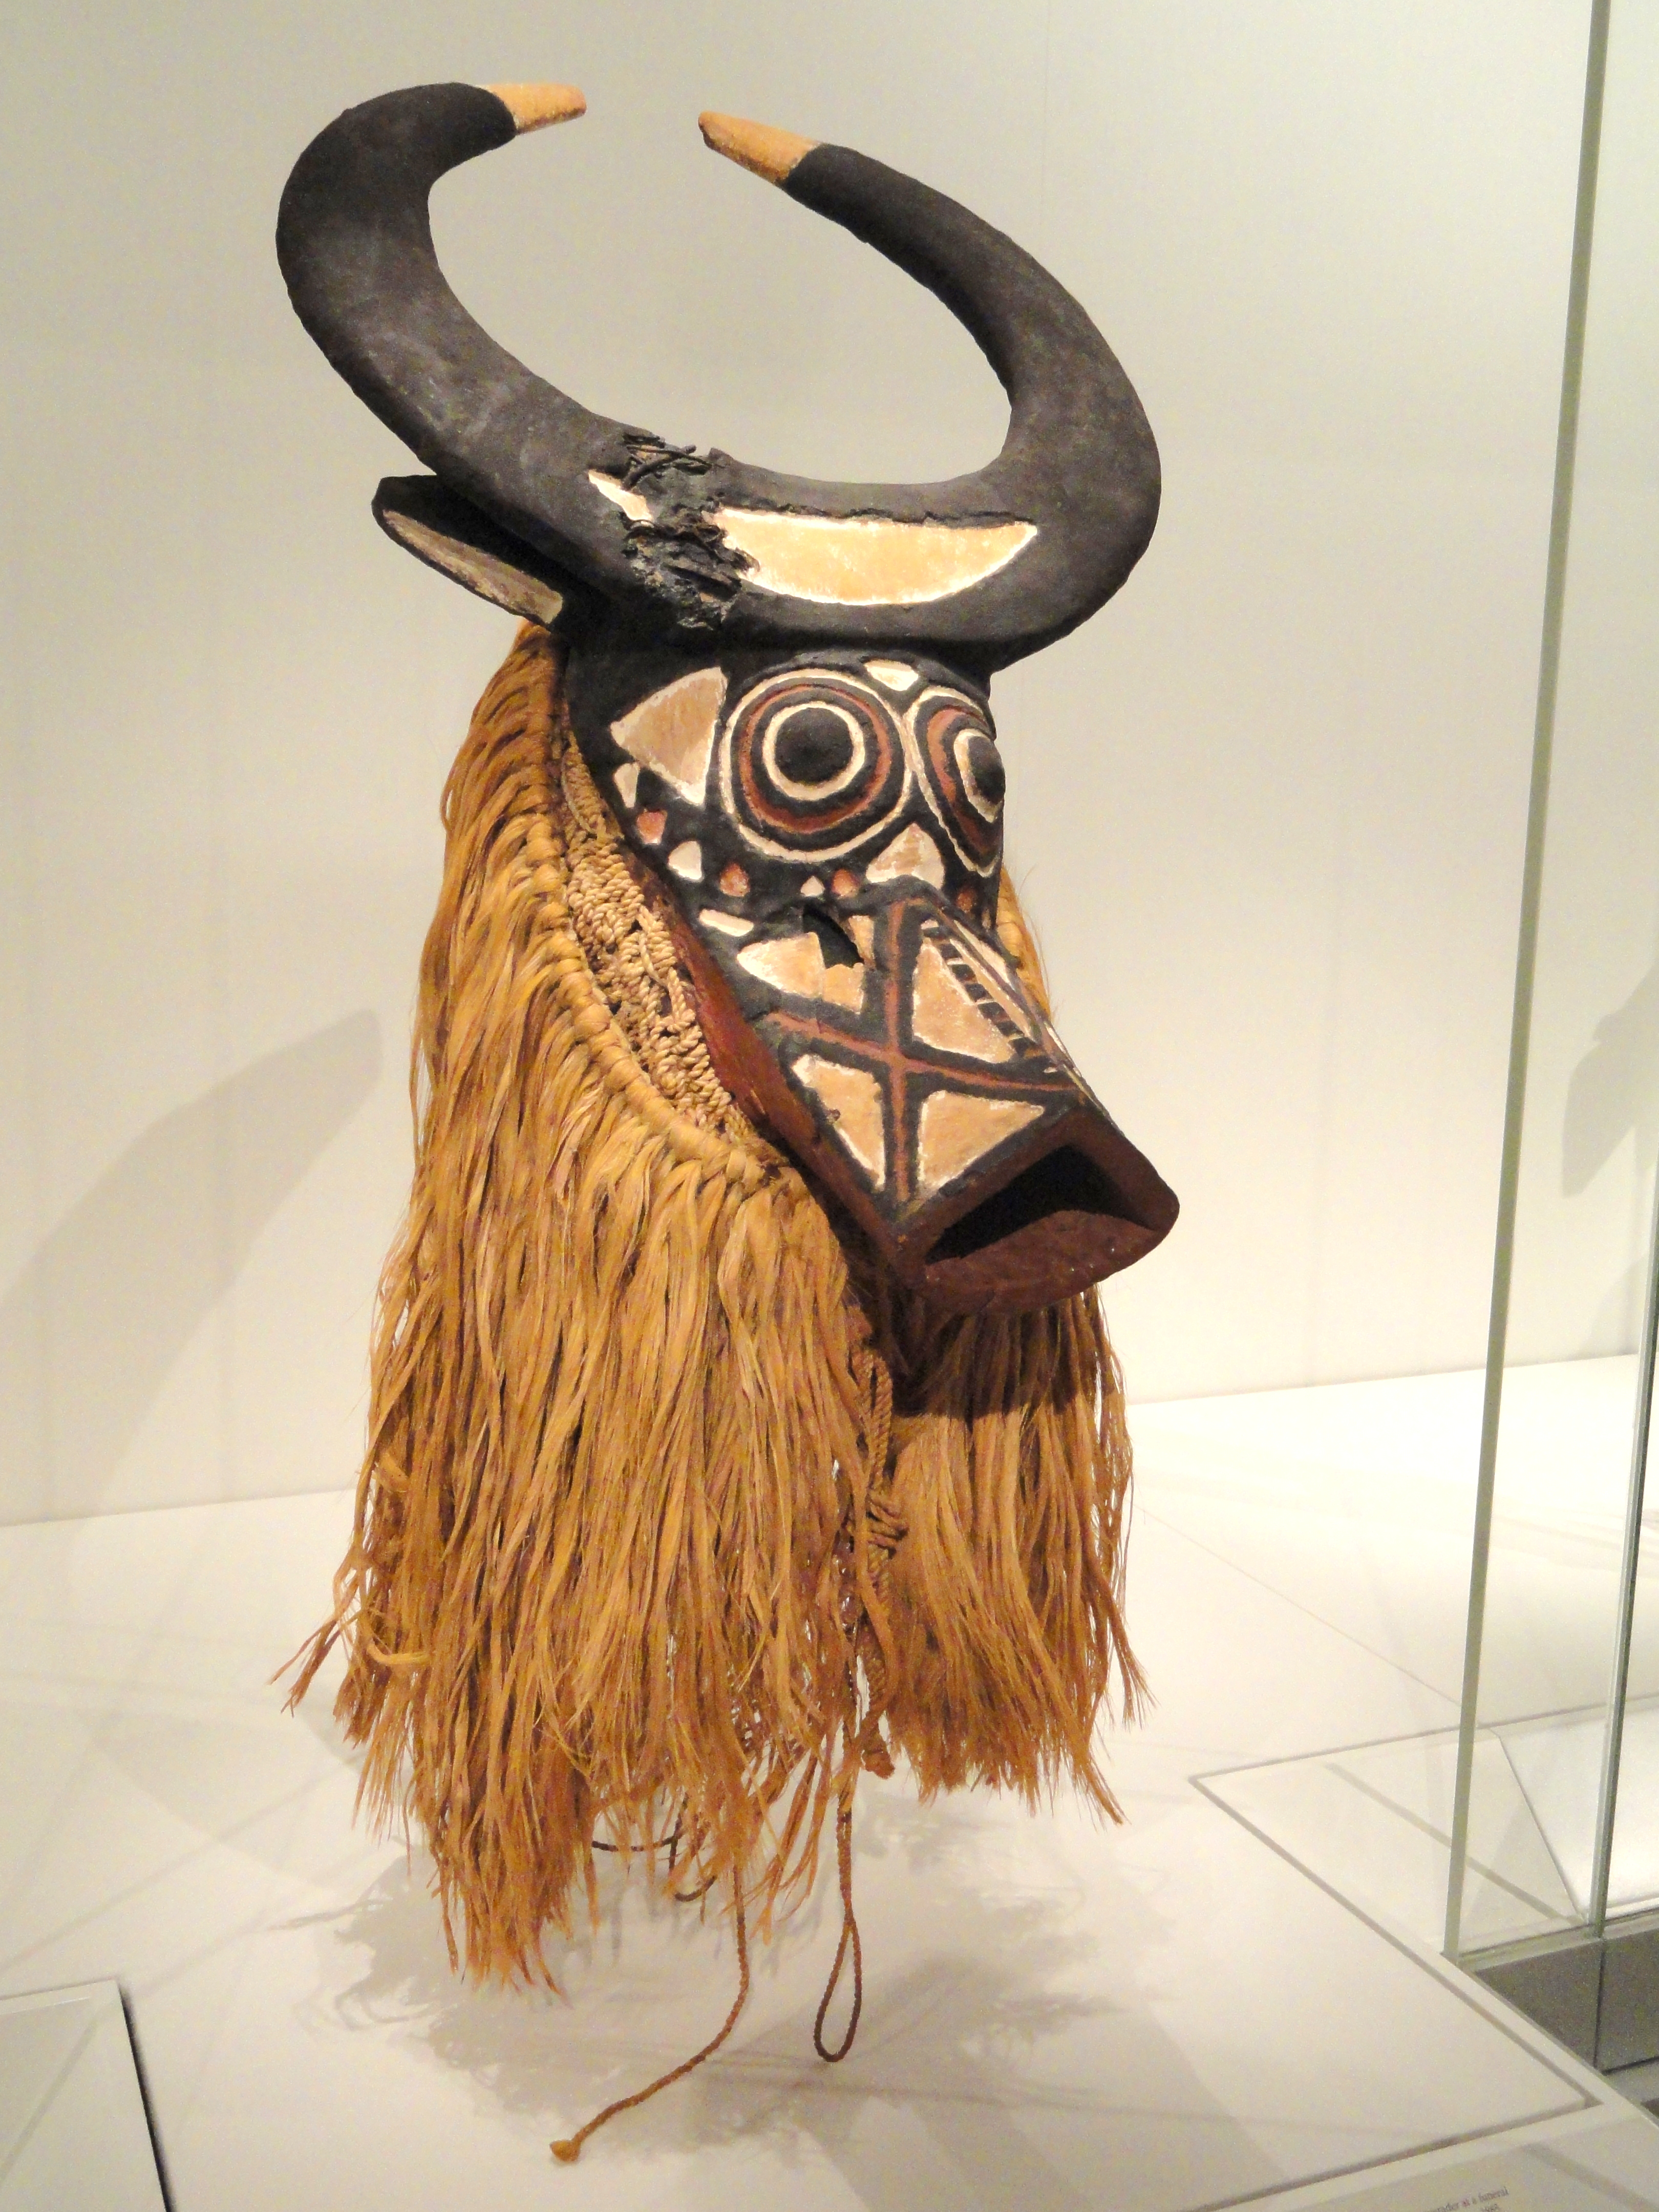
781 687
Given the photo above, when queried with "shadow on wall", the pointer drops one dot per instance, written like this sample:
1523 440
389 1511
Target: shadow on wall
1613 1093
1614 1089
91 1328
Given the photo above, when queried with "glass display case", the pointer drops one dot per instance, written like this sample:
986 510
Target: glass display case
1554 1887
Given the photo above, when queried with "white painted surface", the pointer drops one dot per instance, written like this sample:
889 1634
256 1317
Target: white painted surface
1266 809
1160 2017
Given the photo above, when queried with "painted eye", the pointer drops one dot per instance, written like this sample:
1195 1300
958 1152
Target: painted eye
812 761
983 776
965 774
812 751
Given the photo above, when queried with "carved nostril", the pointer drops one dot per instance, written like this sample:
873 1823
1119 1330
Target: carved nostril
834 942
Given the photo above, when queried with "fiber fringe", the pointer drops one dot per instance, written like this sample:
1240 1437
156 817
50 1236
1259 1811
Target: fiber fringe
668 1524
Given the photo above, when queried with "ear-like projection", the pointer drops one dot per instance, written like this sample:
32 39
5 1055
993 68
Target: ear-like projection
990 565
456 538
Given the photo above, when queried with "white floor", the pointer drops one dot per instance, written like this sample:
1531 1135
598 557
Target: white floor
1168 2016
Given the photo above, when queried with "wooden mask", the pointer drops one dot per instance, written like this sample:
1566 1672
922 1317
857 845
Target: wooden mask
781 687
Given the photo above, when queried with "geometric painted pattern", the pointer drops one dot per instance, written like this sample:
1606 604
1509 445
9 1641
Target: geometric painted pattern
830 825
932 1105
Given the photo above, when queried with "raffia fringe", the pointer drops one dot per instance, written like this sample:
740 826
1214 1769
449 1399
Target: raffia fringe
667 1526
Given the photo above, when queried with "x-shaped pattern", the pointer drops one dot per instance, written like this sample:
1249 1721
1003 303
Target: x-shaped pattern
880 1039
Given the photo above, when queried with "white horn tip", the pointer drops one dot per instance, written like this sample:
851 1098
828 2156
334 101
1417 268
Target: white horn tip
533 106
771 153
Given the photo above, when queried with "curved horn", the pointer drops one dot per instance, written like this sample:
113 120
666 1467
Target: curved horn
994 564
1079 462
354 238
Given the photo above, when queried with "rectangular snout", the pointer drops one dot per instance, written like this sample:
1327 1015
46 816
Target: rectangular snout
959 1129
914 1077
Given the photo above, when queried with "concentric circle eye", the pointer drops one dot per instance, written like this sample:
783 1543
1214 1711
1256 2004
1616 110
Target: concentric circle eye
813 751
812 761
965 774
983 776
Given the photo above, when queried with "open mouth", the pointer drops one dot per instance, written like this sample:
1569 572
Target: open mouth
1064 1181
1061 1223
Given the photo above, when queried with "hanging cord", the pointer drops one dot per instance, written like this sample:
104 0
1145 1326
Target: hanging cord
849 1938
884 1530
670 1843
878 1532
568 2148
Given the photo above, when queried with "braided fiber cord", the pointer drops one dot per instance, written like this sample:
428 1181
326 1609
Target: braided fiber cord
568 2148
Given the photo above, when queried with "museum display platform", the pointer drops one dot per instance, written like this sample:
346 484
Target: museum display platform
1237 1997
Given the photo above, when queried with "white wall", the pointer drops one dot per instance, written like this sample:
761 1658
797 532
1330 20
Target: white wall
1267 807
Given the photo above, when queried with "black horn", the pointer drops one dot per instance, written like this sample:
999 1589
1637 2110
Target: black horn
990 565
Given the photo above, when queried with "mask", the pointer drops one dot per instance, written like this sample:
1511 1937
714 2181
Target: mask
738 1421
781 687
